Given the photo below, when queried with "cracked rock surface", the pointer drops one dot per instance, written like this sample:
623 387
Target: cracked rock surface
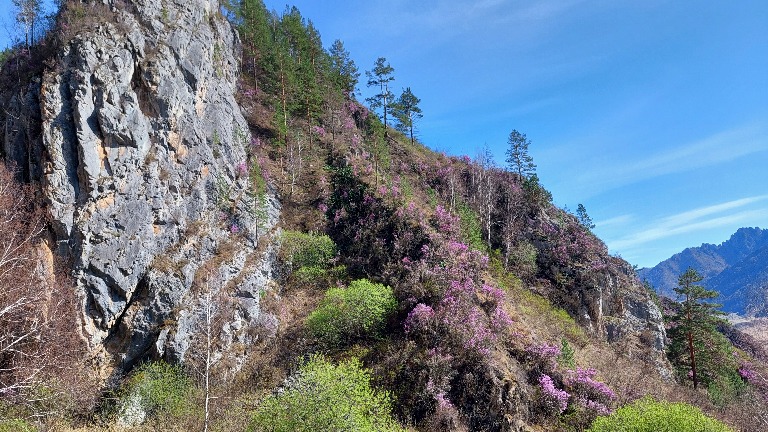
135 138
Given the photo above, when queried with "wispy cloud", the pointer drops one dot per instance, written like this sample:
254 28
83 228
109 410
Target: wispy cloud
694 220
718 148
615 221
606 171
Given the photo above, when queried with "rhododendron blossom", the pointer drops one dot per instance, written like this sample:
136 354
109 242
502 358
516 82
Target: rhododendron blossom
554 398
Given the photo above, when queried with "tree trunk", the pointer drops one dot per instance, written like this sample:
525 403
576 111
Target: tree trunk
692 352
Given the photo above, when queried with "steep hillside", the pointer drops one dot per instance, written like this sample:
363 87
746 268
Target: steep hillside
253 249
736 268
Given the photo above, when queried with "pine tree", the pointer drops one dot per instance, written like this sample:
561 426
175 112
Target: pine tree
518 159
344 72
253 23
693 333
381 76
583 217
406 110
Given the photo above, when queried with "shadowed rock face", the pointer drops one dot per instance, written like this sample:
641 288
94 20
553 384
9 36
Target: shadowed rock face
135 137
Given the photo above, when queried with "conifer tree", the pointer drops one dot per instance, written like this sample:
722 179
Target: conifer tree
583 217
693 332
406 110
284 75
344 72
253 21
518 159
381 76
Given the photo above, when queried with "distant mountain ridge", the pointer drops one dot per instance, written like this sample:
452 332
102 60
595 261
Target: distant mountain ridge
736 268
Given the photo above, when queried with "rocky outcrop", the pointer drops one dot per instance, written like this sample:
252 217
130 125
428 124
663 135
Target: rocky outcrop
614 304
601 292
142 154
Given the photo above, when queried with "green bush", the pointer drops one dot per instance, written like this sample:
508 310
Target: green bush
471 228
567 357
354 312
298 249
522 260
4 55
325 397
160 389
648 415
726 386
16 425
316 276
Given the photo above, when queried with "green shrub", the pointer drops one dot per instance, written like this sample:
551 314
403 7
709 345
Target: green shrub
298 249
522 260
567 357
4 55
648 415
326 397
317 276
471 228
160 389
726 386
16 425
354 312
535 192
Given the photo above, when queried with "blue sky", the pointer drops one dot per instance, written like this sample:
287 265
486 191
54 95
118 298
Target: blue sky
652 113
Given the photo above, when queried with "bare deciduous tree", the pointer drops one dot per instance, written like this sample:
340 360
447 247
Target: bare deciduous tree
206 349
40 342
27 15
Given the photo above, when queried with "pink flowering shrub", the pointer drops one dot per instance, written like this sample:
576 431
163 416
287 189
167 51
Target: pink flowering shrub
446 222
467 313
747 373
543 357
419 318
576 391
318 130
588 393
241 169
757 379
572 245
554 400
369 233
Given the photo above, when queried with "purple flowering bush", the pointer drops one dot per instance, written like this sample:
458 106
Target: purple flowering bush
574 392
543 357
419 319
554 400
588 393
467 313
373 238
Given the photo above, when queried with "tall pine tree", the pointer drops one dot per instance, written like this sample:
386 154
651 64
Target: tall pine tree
381 76
518 159
344 72
406 110
696 347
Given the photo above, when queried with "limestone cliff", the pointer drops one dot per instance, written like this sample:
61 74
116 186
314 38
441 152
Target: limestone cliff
141 151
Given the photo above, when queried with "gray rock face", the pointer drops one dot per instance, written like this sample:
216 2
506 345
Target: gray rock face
613 304
141 150
628 311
